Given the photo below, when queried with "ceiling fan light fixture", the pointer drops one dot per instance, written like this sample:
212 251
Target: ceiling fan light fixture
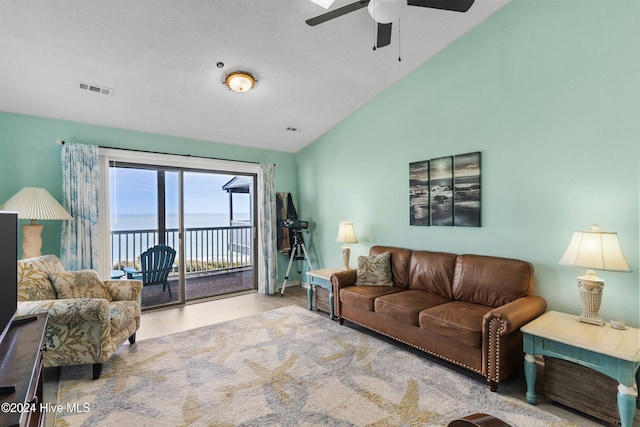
240 81
386 11
323 3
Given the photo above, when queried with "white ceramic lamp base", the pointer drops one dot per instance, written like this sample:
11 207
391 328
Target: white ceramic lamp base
31 240
591 296
346 253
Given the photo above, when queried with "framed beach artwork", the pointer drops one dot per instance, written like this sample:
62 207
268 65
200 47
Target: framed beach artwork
445 191
441 190
419 193
466 193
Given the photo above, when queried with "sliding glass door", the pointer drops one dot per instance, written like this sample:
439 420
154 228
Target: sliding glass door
206 216
217 234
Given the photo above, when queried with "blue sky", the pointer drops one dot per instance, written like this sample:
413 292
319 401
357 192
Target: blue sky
136 193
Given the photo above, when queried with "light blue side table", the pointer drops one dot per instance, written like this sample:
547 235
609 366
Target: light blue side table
321 278
612 352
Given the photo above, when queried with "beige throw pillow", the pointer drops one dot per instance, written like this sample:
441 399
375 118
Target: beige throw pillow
79 284
375 270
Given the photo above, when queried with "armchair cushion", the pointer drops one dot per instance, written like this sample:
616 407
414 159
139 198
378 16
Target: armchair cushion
33 277
79 284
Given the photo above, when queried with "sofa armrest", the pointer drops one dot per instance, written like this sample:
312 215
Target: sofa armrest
342 279
78 329
124 290
516 314
502 342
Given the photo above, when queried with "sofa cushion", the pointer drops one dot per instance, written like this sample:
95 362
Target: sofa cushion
399 263
374 270
406 306
33 277
363 297
458 320
79 284
432 272
491 281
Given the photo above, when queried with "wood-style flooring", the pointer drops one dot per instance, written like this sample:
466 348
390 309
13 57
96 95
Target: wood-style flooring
163 322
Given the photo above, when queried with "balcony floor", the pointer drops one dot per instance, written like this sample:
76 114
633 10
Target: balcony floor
208 286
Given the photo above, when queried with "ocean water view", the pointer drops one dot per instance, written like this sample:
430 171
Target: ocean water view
126 222
207 238
213 238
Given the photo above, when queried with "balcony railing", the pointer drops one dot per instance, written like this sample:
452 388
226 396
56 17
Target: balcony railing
207 249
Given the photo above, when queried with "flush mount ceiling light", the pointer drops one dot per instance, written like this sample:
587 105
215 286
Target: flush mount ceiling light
240 81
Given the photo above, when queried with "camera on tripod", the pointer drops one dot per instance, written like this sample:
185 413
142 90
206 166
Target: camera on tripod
295 224
298 252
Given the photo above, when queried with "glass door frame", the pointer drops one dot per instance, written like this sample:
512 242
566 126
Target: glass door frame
160 213
180 164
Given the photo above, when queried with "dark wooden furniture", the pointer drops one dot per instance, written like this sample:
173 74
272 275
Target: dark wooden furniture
321 300
21 366
478 420
581 388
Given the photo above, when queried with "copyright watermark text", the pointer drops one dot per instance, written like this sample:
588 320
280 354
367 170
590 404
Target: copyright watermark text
20 408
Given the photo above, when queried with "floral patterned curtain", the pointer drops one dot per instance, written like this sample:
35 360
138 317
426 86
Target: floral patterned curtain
80 187
267 255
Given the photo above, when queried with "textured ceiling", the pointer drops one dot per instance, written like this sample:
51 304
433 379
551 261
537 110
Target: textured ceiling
160 56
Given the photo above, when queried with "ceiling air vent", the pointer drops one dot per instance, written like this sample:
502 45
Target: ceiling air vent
95 88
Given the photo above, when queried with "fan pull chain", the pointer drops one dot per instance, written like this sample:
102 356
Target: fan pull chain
399 58
375 27
374 35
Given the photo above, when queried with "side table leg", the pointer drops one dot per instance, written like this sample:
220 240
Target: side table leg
530 373
331 305
310 297
627 404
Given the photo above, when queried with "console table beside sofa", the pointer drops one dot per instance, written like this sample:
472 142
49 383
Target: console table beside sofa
614 353
321 278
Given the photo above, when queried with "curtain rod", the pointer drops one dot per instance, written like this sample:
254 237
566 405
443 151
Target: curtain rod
61 142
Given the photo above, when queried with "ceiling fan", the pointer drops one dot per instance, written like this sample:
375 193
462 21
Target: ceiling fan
384 12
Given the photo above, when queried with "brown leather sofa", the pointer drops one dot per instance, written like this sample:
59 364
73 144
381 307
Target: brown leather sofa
465 309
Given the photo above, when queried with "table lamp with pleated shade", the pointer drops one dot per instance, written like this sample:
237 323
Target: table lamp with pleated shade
597 250
346 234
34 203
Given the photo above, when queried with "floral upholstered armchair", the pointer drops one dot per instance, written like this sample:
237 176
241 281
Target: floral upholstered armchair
88 318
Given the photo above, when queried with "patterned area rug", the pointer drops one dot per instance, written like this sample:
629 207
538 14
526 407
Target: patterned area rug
285 367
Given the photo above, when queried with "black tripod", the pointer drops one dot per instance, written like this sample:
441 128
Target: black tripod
298 253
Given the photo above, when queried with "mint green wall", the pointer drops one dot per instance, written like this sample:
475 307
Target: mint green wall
30 158
548 91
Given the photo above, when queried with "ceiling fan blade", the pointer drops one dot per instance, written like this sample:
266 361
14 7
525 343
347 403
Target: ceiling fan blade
337 12
384 35
452 5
